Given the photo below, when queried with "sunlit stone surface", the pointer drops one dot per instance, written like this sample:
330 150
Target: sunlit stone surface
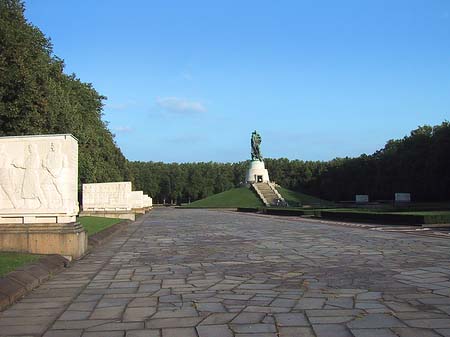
38 179
107 196
38 195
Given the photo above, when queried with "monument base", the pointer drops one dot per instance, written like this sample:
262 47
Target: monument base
69 240
139 210
125 214
257 173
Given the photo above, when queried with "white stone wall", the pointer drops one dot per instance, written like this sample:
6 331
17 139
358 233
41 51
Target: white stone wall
107 196
361 198
148 202
403 197
38 179
137 199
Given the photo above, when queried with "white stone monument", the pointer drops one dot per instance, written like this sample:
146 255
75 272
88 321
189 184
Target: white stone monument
148 202
361 198
403 197
109 200
38 195
137 202
257 173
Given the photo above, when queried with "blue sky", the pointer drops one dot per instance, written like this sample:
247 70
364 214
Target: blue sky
190 80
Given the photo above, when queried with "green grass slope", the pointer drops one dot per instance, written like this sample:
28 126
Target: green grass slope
11 261
236 197
94 224
296 198
246 198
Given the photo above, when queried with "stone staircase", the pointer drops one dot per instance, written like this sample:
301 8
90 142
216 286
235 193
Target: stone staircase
267 193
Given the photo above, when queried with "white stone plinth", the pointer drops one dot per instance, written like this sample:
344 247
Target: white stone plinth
257 172
38 179
137 201
402 197
361 198
38 195
148 202
114 196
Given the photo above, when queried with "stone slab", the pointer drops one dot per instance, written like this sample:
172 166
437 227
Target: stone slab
109 197
38 178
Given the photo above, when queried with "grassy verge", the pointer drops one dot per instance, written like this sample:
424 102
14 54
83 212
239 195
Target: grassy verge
294 198
236 197
94 224
11 261
380 216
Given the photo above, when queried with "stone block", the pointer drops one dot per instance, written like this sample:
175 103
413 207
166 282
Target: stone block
12 289
63 239
108 197
27 280
137 200
38 178
39 195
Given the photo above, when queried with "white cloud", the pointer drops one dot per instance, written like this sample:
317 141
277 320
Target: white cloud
180 105
123 129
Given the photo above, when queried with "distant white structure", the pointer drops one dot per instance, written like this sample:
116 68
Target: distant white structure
137 202
148 201
361 198
402 197
257 173
38 195
115 196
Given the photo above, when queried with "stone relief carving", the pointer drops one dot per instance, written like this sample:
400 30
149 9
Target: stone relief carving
36 175
56 165
31 183
6 183
107 195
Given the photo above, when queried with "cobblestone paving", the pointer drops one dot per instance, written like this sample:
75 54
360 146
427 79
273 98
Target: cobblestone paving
183 273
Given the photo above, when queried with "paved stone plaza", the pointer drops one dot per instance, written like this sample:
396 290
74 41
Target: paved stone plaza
183 273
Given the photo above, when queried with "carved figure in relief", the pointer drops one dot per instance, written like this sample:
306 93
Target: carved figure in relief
31 185
6 184
55 165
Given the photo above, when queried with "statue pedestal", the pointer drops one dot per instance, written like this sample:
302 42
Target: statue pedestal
257 173
67 239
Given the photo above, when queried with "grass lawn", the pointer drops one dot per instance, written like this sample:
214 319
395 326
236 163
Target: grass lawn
296 198
236 197
94 224
11 261
388 216
388 211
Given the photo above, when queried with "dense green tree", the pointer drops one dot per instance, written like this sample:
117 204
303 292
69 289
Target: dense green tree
37 97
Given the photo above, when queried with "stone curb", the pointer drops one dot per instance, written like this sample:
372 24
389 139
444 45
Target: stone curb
24 279
102 236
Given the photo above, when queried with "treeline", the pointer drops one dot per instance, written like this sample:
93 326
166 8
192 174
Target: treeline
418 164
185 182
37 97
